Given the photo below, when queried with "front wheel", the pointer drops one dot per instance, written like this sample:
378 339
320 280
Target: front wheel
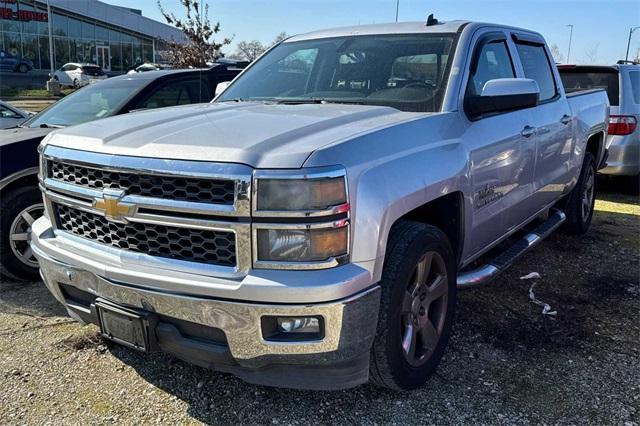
580 202
20 208
417 306
23 68
76 83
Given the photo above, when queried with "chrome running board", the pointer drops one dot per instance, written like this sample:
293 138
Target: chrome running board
498 264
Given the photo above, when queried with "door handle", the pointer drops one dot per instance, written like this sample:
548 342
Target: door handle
528 131
566 119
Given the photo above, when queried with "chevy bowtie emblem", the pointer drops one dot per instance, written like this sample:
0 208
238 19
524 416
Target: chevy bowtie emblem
111 205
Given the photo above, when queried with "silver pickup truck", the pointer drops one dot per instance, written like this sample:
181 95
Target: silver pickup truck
310 227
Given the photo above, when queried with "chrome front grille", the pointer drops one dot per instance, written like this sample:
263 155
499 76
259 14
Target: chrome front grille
181 215
210 191
193 245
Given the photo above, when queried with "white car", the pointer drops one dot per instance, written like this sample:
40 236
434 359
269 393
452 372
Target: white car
78 74
11 116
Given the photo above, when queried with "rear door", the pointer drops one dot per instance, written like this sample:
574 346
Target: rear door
501 149
551 119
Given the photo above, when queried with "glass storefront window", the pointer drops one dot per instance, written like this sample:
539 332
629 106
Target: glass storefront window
137 52
12 43
61 51
88 30
44 53
127 56
147 53
115 36
60 25
116 57
75 28
30 49
102 34
10 25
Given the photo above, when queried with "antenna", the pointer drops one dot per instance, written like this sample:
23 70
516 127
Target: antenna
431 20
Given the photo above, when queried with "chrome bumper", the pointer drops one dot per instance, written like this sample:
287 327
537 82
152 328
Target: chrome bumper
349 323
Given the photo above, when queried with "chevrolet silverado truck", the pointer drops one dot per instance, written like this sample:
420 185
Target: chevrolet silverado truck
310 227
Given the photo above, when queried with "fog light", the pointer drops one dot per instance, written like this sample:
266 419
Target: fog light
299 325
292 329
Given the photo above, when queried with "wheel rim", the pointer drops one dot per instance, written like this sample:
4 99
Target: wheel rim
587 194
20 234
424 309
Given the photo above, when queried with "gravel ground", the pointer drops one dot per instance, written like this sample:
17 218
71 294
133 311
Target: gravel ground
506 363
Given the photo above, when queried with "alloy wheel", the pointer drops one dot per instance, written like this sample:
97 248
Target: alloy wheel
587 194
20 234
424 309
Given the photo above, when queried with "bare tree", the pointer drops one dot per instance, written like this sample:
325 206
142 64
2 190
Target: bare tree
280 37
592 53
198 31
249 50
556 53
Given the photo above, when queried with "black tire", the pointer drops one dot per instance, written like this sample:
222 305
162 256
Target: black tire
408 244
55 77
76 83
23 68
11 205
579 210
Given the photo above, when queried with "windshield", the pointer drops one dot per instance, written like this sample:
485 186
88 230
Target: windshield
94 101
407 72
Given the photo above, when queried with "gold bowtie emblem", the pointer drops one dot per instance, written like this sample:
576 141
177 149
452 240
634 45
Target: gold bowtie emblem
112 207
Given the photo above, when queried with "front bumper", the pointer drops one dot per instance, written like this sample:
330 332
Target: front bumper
188 325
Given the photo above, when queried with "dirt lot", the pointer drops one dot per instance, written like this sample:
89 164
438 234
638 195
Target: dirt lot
506 362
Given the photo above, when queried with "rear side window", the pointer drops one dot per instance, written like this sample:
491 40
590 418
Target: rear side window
537 67
634 76
576 80
493 62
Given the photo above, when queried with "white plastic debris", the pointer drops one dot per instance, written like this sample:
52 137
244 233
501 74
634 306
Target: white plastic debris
546 309
531 276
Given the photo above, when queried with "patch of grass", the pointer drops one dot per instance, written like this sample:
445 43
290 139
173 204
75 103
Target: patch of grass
30 93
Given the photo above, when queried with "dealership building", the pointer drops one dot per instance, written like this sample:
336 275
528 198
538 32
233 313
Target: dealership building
116 38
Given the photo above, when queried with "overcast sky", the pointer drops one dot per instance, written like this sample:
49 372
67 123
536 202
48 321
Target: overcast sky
601 27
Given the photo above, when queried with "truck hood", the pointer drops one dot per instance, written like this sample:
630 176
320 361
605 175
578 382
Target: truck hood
257 134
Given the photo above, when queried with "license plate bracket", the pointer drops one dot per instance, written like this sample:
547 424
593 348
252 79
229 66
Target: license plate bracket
124 326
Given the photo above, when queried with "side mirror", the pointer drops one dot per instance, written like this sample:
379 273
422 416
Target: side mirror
504 94
221 86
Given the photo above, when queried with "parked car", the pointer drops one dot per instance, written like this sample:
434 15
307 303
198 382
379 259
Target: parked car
78 74
11 116
20 200
146 67
310 227
9 62
622 83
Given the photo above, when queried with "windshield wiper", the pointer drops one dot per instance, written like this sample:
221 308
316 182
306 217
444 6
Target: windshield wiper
50 126
318 101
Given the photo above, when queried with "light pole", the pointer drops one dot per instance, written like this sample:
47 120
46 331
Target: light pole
52 86
631 30
397 9
570 38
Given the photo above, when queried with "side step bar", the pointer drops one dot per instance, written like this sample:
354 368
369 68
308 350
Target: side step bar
488 272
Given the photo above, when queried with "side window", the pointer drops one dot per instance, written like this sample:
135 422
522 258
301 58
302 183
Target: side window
7 113
634 76
176 93
537 67
493 62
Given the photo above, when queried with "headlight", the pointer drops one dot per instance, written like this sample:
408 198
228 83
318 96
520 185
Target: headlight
294 236
293 194
304 243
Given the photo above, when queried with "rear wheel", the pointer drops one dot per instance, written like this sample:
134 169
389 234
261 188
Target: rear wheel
76 83
581 200
417 306
20 208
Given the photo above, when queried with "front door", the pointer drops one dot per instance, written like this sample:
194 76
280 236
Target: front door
502 153
103 54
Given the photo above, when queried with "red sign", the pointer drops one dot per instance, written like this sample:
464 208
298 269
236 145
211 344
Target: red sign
23 15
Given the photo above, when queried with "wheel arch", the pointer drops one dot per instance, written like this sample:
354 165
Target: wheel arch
19 179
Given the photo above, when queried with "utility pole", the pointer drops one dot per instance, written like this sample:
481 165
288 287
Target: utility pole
631 30
397 9
570 38
53 86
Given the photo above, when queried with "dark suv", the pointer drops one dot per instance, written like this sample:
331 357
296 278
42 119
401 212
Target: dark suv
20 200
